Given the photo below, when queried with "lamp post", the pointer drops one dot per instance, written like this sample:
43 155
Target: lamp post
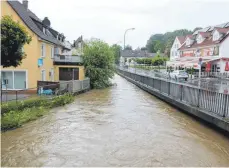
125 36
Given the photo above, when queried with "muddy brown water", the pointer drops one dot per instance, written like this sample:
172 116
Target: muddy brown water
118 126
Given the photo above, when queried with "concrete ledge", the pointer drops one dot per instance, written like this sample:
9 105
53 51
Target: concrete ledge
209 117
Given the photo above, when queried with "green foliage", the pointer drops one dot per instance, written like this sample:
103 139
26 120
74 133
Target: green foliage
15 119
116 49
157 60
163 42
15 114
13 38
36 102
98 61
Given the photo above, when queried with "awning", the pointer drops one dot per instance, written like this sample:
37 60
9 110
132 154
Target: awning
189 62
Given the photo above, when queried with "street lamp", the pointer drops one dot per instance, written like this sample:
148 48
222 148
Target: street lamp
125 36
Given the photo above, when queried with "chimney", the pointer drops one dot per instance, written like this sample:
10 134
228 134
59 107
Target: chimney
25 4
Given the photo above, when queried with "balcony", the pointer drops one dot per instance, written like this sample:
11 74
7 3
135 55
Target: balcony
67 60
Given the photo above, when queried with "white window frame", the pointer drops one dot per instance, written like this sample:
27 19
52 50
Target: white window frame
43 50
215 36
52 52
43 70
17 70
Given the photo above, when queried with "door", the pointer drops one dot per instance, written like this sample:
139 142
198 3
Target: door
19 80
68 74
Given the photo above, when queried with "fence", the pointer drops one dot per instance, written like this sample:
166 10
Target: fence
212 74
49 90
209 101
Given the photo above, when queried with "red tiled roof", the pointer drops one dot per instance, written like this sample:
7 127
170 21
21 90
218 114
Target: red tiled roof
181 39
222 30
205 34
207 42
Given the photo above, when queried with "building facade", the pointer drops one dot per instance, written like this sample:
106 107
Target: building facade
47 54
208 46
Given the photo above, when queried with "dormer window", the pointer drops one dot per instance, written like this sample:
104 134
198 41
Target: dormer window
44 31
215 36
188 42
199 39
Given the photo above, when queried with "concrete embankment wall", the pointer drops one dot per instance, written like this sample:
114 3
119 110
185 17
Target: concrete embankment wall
214 119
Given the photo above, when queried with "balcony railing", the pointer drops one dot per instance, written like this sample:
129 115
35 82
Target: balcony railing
68 59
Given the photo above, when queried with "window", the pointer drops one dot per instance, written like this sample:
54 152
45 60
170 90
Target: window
52 74
199 39
42 50
14 79
43 77
215 36
52 52
56 51
188 41
44 30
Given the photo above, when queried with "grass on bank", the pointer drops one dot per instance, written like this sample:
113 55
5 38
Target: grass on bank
15 114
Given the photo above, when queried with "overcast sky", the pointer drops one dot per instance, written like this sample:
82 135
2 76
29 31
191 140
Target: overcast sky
108 19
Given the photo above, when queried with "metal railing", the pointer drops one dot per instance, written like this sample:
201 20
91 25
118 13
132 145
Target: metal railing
212 74
68 58
48 91
207 100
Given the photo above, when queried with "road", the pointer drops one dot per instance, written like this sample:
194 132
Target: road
118 126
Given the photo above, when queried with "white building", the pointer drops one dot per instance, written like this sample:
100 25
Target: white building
211 44
178 42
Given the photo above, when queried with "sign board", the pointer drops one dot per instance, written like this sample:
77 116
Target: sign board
208 51
40 62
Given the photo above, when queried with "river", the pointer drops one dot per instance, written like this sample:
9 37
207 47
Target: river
118 126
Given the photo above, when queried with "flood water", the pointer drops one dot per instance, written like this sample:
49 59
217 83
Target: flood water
118 126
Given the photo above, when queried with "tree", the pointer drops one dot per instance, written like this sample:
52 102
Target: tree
159 46
13 37
98 60
128 47
163 42
116 49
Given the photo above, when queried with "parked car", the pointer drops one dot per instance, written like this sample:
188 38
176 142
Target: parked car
179 74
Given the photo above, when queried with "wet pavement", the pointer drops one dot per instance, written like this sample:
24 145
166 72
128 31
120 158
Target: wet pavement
118 126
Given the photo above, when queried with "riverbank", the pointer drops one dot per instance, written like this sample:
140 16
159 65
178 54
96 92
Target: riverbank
15 114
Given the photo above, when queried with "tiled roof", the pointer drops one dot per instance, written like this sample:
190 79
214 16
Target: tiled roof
223 30
205 34
26 15
207 42
181 39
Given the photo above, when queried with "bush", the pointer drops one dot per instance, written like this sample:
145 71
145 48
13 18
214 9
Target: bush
20 105
15 114
15 119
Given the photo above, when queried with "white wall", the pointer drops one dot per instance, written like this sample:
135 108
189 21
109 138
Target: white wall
224 48
175 46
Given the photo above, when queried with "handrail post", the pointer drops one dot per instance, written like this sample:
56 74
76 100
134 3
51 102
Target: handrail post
198 102
168 88
225 105
181 91
16 96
